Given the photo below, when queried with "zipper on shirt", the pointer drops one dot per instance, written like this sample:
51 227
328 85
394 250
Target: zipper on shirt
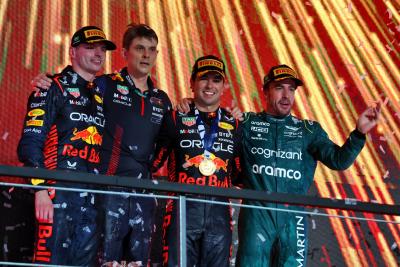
142 110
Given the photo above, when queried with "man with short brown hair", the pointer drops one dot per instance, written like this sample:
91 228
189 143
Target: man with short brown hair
63 130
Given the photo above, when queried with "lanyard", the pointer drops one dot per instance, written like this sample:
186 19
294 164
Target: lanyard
209 138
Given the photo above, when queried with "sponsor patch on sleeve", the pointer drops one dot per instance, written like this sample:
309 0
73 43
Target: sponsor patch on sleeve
98 99
36 112
34 123
226 126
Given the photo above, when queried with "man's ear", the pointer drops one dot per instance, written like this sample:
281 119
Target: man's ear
192 85
72 52
124 53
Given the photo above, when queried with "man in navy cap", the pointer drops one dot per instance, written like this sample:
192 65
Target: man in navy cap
63 130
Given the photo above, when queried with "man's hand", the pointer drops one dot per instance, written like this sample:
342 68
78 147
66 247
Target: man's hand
44 209
41 81
183 105
235 111
368 119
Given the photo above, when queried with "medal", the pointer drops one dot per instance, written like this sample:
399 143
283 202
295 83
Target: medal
207 167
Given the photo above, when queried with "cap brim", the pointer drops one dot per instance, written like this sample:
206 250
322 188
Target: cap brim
298 82
201 73
109 45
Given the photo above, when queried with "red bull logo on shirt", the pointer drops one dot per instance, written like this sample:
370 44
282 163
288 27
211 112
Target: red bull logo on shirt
85 153
211 180
196 160
90 135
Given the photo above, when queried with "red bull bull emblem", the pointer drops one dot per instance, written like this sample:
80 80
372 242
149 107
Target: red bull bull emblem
214 163
193 161
90 135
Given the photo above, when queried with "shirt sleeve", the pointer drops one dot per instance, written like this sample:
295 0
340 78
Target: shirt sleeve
164 141
42 109
333 156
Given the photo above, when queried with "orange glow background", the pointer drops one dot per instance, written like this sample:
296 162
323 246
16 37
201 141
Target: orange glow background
346 52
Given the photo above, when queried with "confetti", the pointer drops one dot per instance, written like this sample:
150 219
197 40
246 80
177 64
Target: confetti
385 101
363 76
262 238
87 229
382 150
114 214
136 220
138 207
133 148
388 48
83 209
386 175
83 194
121 211
308 3
155 182
232 211
314 225
5 135
274 15
382 138
394 246
389 13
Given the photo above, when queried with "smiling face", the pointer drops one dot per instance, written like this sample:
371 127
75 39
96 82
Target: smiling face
280 97
88 59
141 56
207 90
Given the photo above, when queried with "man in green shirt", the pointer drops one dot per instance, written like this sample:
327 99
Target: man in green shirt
280 154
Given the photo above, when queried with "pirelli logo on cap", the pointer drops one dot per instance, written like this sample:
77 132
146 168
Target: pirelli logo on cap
210 62
94 33
280 71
